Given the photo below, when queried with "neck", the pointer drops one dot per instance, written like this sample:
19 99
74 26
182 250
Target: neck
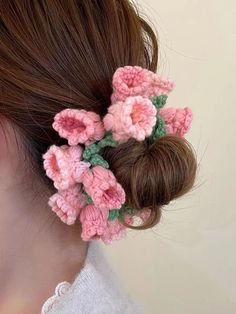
37 252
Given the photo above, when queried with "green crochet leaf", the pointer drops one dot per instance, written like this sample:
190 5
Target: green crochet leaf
116 213
97 160
159 101
113 214
107 141
90 150
159 130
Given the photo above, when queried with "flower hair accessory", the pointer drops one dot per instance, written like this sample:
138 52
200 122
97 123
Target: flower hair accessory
86 187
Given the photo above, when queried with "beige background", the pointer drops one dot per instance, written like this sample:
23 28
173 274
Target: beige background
187 264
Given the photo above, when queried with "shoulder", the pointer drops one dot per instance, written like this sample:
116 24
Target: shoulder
96 289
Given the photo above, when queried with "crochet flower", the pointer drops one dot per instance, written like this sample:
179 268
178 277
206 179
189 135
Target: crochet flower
101 185
135 117
94 222
115 230
177 120
64 166
78 126
159 86
130 81
67 204
137 81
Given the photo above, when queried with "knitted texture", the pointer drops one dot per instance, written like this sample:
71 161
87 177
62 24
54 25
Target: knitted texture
177 120
115 230
68 203
103 188
91 152
87 188
94 222
159 101
137 81
79 126
64 166
135 117
159 130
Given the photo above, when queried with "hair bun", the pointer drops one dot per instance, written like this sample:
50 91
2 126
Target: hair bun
154 174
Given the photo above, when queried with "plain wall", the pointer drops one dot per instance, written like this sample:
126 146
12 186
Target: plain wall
187 264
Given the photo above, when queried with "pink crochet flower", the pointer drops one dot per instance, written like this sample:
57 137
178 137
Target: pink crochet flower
177 120
115 230
130 81
94 222
135 117
159 86
64 166
137 81
101 185
67 204
79 126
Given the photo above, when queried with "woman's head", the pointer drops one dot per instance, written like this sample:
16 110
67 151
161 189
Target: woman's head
58 54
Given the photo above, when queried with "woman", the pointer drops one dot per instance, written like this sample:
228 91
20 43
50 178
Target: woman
57 55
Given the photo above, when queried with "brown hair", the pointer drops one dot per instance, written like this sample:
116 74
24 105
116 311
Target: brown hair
57 54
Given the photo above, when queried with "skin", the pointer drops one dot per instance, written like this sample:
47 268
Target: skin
37 250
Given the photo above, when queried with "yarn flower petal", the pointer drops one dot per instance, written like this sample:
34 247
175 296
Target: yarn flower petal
135 117
115 230
79 126
94 222
130 81
159 86
177 120
137 81
101 185
67 204
63 165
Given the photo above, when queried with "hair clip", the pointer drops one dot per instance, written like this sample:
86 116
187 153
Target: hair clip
87 188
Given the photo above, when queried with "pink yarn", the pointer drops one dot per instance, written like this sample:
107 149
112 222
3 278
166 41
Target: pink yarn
160 86
94 222
68 203
137 81
115 230
135 117
64 166
101 185
177 120
130 115
130 81
79 126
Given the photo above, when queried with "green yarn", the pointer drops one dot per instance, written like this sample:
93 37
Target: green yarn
88 199
117 213
107 141
97 160
90 150
159 101
159 130
113 214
